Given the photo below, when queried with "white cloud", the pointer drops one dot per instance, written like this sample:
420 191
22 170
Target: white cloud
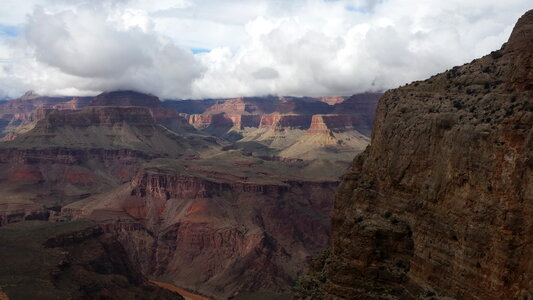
300 47
91 48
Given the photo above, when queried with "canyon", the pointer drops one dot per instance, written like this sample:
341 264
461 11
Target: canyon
74 260
125 195
439 206
219 197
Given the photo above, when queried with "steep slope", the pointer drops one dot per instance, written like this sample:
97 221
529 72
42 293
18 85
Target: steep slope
362 108
290 128
260 220
131 128
214 216
20 112
70 155
441 202
187 211
69 261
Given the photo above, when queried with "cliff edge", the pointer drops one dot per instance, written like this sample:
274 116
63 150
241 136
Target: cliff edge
441 204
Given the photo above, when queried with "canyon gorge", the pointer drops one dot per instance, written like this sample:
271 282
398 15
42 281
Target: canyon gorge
219 197
421 192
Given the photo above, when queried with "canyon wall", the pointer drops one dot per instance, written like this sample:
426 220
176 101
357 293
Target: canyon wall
173 225
74 260
440 204
190 204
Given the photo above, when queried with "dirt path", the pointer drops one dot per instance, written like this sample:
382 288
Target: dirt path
187 295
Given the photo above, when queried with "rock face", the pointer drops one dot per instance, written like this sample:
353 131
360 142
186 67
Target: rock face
281 122
356 112
22 111
69 155
171 224
125 98
441 202
332 100
287 127
177 184
69 261
324 124
98 116
205 121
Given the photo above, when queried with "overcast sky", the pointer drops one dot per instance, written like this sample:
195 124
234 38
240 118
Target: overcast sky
218 48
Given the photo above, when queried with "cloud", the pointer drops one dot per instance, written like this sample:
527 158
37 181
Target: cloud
96 48
330 48
208 48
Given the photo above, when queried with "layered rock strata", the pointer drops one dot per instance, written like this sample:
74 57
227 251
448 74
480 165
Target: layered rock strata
440 204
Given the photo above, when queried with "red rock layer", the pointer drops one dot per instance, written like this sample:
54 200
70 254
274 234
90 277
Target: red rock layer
278 121
325 124
332 100
440 204
243 106
103 116
241 121
204 121
24 105
261 233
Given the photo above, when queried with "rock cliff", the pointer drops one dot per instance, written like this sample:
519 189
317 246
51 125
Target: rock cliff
173 224
324 124
69 261
197 206
440 204
125 98
285 121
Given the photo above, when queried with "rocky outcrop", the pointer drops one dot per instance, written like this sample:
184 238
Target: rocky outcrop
13 212
280 122
364 104
236 119
440 204
74 103
21 111
242 121
125 98
70 155
30 102
332 100
243 106
70 261
361 107
325 124
172 225
205 121
98 116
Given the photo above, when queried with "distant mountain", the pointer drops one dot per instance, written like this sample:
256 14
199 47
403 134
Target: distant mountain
232 199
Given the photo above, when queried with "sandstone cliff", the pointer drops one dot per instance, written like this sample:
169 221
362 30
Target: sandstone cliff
441 203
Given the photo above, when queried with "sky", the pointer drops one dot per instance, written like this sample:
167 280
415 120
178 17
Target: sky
194 49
